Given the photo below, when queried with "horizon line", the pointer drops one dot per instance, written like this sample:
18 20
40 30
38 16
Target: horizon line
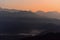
27 10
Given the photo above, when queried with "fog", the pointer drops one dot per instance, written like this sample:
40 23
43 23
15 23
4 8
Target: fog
49 14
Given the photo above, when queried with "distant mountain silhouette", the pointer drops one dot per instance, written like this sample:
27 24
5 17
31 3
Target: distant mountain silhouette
16 13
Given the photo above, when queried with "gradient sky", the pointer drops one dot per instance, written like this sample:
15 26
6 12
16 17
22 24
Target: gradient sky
34 5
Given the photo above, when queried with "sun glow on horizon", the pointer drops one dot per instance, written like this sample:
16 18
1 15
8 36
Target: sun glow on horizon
34 5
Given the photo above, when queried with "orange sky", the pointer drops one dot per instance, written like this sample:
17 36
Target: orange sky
34 5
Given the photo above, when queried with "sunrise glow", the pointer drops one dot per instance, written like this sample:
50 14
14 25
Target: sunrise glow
34 5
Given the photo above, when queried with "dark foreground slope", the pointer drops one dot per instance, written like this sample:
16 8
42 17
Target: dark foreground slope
47 36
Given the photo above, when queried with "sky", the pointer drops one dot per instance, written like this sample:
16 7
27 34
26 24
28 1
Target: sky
34 5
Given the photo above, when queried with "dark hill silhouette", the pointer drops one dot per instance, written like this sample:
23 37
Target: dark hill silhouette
15 21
